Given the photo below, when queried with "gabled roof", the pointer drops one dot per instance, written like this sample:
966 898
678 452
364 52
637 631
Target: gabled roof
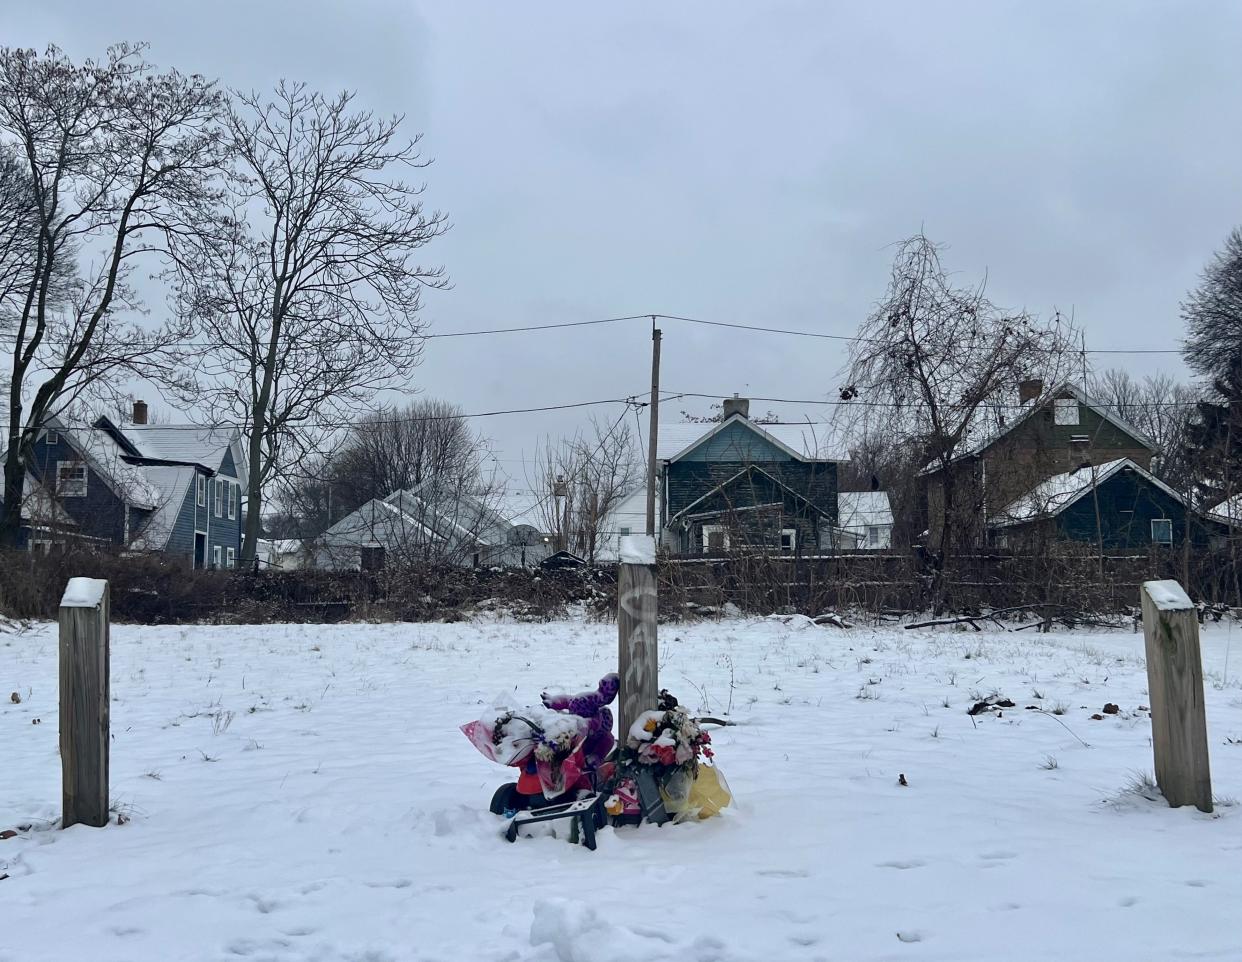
1026 411
862 509
172 482
802 441
748 469
1049 498
375 512
107 459
179 443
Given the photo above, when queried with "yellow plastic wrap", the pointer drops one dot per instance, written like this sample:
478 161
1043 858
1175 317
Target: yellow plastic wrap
703 797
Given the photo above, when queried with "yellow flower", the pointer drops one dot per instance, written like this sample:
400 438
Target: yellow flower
651 725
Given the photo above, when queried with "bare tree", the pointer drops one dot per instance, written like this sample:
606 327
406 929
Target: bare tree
309 284
401 447
115 159
932 357
1159 407
584 479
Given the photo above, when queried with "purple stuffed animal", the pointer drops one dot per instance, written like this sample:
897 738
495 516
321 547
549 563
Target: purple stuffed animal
591 705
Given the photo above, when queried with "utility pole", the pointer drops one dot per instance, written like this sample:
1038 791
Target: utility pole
654 429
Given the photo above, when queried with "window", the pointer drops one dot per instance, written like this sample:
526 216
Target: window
715 538
873 536
230 558
789 539
1065 410
202 491
215 557
234 496
625 532
71 479
51 437
217 507
1162 530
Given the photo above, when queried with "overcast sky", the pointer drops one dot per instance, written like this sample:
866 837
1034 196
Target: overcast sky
752 162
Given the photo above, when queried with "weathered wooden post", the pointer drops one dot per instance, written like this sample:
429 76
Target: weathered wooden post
636 630
84 698
1175 687
637 655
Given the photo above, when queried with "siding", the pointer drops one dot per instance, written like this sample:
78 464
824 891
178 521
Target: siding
687 481
1127 505
735 443
101 514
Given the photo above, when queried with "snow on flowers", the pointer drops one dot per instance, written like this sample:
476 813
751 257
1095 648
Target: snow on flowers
668 739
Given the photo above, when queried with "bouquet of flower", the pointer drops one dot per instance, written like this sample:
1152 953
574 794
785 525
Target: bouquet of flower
668 740
550 739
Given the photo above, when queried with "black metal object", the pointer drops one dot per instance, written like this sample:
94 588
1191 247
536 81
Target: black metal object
588 813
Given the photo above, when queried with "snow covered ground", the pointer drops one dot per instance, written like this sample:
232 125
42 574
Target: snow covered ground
303 793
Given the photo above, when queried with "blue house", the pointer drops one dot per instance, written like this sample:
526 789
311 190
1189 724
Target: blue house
169 488
739 484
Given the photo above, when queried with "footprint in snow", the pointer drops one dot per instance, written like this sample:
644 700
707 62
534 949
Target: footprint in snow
903 864
401 883
910 935
782 873
1128 901
998 856
1196 883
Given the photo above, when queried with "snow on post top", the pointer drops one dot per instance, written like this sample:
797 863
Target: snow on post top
84 593
638 549
1167 596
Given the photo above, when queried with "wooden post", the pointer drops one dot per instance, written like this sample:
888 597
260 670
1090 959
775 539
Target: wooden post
1175 688
84 701
636 630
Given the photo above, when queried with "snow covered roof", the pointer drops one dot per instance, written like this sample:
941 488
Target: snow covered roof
862 509
170 483
191 443
1229 511
522 506
375 513
804 440
102 453
987 434
1051 497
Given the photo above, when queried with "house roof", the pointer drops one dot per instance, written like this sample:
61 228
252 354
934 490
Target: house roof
369 515
171 482
1228 511
183 443
107 459
1049 498
748 469
39 507
862 509
803 441
993 433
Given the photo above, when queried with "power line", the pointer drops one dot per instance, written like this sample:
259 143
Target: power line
206 428
756 328
987 406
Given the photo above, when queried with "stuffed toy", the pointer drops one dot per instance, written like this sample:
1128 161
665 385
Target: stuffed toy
591 705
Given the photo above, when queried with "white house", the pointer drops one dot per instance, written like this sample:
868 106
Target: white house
868 516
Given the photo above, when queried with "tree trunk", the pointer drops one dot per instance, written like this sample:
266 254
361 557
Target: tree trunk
254 501
11 510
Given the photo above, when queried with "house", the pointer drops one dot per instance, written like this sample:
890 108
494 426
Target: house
280 554
171 488
430 523
368 538
1064 466
868 517
737 484
1118 504
628 517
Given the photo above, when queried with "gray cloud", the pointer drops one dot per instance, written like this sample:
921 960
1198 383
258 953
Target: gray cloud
754 162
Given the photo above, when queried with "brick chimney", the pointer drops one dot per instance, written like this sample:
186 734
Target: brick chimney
1030 390
140 412
736 405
